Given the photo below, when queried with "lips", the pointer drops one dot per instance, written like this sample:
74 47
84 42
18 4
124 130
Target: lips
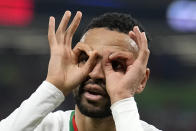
94 92
94 89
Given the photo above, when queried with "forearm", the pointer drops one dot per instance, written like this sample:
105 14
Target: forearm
33 110
126 116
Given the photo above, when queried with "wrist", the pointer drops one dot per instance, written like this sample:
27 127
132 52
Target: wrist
58 86
124 102
120 96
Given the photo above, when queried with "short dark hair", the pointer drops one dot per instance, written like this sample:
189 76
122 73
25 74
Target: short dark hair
120 22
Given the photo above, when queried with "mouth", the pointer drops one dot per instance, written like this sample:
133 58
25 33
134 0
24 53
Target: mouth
94 92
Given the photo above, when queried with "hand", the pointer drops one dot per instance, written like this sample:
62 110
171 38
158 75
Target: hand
63 69
123 83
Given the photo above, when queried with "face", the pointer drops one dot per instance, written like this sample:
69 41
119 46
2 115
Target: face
91 96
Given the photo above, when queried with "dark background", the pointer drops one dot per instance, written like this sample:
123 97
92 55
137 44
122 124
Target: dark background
168 101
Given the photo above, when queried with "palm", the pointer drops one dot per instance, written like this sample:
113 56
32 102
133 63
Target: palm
63 70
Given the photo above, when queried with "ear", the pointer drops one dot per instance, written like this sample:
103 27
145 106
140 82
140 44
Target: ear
144 81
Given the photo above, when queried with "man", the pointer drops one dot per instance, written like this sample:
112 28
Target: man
104 71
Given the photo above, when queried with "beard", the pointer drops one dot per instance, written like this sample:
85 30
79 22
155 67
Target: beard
94 109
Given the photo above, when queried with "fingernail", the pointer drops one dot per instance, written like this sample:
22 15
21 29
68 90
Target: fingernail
79 13
68 13
134 28
51 18
110 55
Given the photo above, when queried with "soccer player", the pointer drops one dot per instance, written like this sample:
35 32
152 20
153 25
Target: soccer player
104 71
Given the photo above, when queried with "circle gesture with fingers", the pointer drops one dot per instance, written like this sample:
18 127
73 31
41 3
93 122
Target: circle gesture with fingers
130 76
63 70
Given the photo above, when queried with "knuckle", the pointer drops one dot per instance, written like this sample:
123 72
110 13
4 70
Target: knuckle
145 40
49 35
146 52
80 46
142 70
93 53
69 31
65 33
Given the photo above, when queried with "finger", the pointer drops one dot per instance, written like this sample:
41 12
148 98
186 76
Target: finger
145 52
138 35
91 54
63 24
107 64
143 46
72 28
61 31
91 62
81 47
122 56
133 36
51 31
144 40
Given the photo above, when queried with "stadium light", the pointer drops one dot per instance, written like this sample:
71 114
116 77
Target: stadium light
16 12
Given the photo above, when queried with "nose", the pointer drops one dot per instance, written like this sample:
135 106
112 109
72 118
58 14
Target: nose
97 72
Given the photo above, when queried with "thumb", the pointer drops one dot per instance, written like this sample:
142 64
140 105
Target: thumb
89 65
107 65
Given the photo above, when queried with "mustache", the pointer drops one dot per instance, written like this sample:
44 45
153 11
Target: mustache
99 82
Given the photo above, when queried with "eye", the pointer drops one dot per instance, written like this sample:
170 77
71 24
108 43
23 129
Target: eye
119 66
83 57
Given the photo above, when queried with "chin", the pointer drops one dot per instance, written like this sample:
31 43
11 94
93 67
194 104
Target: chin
94 109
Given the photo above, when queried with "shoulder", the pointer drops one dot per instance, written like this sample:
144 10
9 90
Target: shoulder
60 116
58 120
61 113
148 127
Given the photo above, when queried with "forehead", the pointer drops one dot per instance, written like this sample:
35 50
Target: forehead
103 38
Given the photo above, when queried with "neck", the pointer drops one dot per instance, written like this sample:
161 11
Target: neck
85 123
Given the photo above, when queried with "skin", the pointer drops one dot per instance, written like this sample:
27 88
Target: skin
102 47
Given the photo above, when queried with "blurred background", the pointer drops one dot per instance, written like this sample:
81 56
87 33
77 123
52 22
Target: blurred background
168 101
